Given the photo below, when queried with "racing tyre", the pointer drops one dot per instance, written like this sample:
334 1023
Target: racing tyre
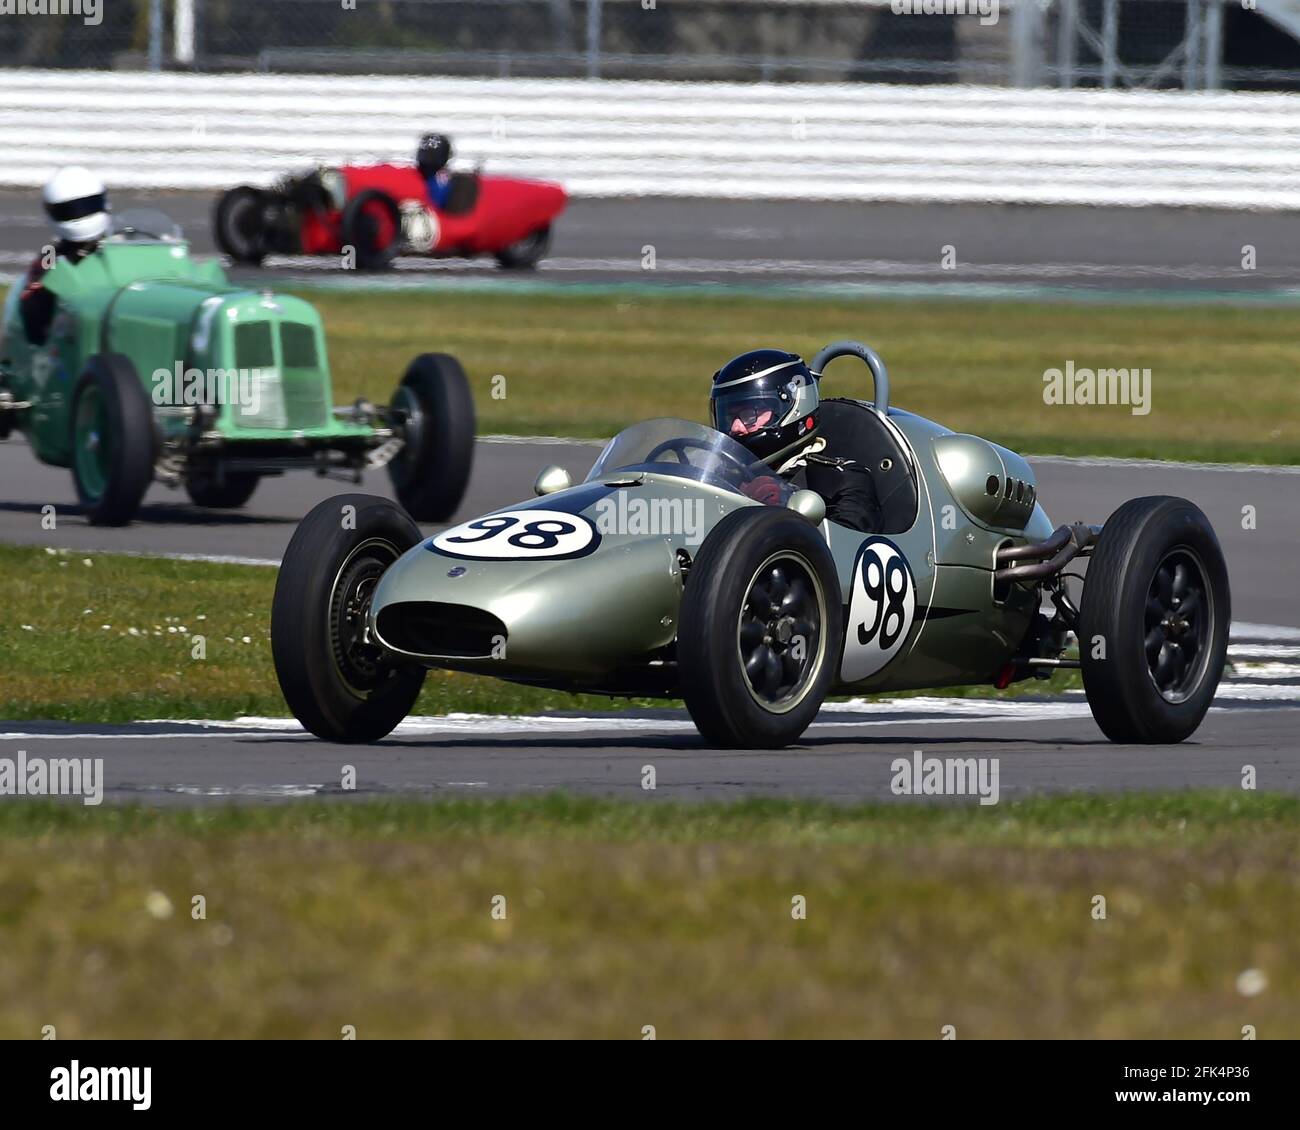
524 254
113 441
239 224
761 621
1153 621
372 226
206 487
433 411
340 686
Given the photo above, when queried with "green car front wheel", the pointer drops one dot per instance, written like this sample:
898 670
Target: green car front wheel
113 442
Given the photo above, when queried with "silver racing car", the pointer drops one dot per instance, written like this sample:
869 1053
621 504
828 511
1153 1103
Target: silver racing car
661 575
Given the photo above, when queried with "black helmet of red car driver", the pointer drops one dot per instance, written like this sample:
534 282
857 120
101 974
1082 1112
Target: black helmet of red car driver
433 154
767 400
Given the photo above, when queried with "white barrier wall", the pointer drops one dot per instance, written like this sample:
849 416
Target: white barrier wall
833 142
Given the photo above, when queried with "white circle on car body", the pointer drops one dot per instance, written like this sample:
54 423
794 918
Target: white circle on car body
519 534
882 608
420 226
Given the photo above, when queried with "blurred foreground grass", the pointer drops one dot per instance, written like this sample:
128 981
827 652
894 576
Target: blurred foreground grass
620 915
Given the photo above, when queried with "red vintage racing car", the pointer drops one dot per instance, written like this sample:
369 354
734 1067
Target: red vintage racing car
382 211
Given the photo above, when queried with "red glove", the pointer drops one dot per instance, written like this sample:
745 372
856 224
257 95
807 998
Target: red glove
766 490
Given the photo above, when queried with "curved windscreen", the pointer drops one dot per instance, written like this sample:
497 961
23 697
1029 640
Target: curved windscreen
690 451
146 224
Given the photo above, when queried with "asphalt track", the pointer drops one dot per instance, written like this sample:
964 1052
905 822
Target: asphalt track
1017 250
843 757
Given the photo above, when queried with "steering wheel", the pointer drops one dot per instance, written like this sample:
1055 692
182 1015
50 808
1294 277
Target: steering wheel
879 375
682 444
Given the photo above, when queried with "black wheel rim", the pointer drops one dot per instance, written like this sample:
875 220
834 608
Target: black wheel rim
779 635
1179 622
363 665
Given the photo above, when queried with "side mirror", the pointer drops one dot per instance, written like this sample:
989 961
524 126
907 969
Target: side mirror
552 479
808 504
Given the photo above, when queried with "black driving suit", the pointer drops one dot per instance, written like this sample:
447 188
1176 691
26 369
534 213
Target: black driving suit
847 487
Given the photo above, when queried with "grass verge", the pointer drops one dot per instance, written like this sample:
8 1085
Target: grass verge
586 365
105 638
620 915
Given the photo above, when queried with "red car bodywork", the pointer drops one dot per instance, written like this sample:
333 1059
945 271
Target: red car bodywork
504 211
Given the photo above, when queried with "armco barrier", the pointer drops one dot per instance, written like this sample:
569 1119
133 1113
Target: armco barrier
830 142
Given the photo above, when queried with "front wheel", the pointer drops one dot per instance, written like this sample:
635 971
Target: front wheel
113 440
239 224
340 685
1153 621
433 411
761 627
372 227
524 254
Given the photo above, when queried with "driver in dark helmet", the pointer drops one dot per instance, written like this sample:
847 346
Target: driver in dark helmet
431 159
767 400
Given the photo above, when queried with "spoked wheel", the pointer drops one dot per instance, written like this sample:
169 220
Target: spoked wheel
1153 621
340 684
779 631
1178 621
760 629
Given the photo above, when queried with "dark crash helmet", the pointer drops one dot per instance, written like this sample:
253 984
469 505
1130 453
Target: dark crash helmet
767 400
433 154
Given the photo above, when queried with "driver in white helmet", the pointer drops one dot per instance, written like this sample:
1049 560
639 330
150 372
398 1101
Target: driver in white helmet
77 205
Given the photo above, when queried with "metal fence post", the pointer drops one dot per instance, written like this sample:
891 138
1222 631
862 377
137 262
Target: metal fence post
1110 43
183 32
155 35
593 38
1214 46
1067 41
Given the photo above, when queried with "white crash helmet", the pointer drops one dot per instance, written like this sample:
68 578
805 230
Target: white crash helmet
76 203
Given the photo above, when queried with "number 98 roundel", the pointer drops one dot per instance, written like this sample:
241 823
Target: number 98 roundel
881 609
513 534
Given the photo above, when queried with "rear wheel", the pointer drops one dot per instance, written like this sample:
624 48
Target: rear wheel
372 226
1153 621
339 685
207 486
113 440
433 411
526 253
761 626
239 224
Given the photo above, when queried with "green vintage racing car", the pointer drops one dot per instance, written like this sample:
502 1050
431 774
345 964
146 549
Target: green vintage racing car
659 575
157 368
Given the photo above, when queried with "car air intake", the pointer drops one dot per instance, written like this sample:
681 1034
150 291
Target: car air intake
424 627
